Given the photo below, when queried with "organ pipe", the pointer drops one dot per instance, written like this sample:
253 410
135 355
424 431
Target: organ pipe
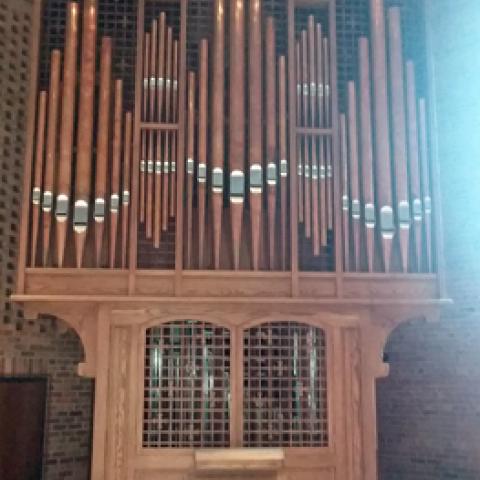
85 128
237 122
255 128
399 137
102 145
51 151
382 130
66 129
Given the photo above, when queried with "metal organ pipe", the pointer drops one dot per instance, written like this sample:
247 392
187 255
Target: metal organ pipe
173 164
282 150
366 147
190 169
127 159
38 172
255 128
85 128
115 180
322 167
144 133
51 151
382 130
202 150
312 141
399 136
236 137
217 126
425 175
99 212
413 157
271 136
167 152
62 205
354 172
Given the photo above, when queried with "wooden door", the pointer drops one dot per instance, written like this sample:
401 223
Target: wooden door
22 418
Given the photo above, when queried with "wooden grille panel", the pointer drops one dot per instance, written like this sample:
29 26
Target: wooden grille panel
187 385
285 386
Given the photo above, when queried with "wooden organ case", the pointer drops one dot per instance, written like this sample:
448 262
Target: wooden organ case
232 241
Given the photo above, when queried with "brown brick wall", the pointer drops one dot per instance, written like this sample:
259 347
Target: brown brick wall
429 406
40 347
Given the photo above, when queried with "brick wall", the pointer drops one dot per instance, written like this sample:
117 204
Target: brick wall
41 347
429 406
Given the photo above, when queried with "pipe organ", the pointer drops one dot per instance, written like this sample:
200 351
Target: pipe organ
233 229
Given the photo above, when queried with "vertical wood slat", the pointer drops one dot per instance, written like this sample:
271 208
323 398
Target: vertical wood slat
181 147
136 148
28 159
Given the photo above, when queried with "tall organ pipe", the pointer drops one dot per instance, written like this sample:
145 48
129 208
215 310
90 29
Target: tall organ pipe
38 173
354 172
190 168
345 192
116 158
66 129
167 150
271 135
298 146
127 159
173 166
306 153
85 128
322 167
51 151
103 138
382 130
425 177
366 149
144 133
236 136
399 137
312 77
255 153
328 140
202 150
282 150
217 126
413 157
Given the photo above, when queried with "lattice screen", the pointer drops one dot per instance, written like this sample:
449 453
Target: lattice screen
187 385
285 382
15 25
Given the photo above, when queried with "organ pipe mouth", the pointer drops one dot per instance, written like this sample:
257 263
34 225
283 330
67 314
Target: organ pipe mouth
283 168
271 174
387 224
114 203
99 210
256 178
237 186
217 180
417 210
36 195
404 215
202 173
61 208
356 209
370 219
47 202
190 166
427 205
80 216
